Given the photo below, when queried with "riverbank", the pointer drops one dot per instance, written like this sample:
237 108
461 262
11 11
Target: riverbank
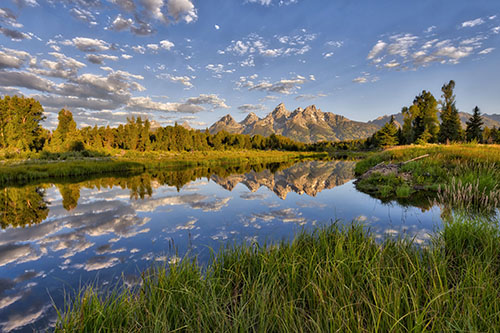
24 171
461 176
337 278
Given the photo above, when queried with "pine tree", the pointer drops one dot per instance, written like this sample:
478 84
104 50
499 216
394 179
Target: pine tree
451 128
388 135
474 124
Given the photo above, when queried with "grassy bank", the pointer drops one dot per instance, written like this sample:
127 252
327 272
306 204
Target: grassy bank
462 176
24 171
335 279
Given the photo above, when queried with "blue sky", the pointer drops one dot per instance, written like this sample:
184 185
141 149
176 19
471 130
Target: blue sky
197 60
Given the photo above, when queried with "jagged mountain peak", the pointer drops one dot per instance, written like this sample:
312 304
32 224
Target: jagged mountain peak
227 119
250 119
280 111
306 125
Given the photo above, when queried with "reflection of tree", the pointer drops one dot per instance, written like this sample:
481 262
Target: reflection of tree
22 206
70 194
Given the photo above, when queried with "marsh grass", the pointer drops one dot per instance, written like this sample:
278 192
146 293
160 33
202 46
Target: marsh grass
463 176
337 278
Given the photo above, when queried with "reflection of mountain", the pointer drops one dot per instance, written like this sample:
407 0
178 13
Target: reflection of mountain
310 178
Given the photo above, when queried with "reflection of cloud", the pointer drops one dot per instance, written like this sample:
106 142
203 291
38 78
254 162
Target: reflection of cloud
27 317
310 204
195 201
8 300
188 225
253 196
93 219
14 252
106 248
284 215
100 262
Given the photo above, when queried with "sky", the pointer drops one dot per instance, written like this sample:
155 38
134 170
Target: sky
197 60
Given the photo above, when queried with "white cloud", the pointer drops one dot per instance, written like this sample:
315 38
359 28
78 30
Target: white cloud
88 44
308 97
120 23
218 70
182 10
184 80
153 47
391 64
472 23
283 86
377 48
139 49
99 58
191 105
496 30
10 58
254 44
333 43
251 107
430 29
166 44
486 51
327 55
360 79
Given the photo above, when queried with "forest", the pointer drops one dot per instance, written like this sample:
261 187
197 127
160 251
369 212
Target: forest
21 130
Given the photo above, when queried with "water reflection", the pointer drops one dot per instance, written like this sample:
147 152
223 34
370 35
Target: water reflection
108 229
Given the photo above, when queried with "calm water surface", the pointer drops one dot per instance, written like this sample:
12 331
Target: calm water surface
58 237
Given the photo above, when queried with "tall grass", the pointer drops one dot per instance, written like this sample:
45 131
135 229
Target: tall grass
463 176
334 279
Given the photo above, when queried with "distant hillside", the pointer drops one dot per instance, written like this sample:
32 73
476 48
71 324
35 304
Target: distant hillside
305 125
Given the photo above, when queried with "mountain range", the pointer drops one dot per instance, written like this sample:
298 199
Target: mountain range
312 125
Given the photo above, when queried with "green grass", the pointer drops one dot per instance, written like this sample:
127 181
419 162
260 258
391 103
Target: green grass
463 176
334 279
25 171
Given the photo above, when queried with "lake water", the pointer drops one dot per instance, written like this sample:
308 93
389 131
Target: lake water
104 231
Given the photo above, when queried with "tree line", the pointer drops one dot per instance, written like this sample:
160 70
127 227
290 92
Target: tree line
21 130
421 123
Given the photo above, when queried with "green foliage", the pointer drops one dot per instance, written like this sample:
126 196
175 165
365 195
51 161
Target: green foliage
387 136
334 279
20 119
66 134
22 206
420 119
474 126
451 128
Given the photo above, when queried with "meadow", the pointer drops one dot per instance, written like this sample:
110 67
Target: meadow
337 278
460 175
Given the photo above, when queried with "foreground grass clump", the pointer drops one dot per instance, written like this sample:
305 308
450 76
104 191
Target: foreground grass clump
335 279
463 176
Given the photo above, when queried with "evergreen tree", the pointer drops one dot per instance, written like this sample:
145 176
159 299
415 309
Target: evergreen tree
451 128
474 124
388 135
